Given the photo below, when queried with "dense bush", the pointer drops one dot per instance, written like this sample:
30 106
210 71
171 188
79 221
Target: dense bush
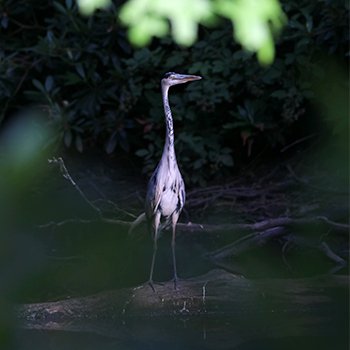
97 90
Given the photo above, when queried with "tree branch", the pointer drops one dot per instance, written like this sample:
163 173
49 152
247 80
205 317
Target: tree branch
306 183
263 225
247 242
67 176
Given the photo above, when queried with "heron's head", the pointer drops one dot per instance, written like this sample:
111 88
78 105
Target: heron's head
172 78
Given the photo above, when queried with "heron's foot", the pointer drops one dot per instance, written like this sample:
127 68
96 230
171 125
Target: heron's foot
151 283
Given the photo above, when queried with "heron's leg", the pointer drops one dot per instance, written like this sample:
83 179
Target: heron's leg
155 238
174 220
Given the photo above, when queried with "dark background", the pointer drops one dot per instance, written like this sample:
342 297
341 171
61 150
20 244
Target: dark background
75 87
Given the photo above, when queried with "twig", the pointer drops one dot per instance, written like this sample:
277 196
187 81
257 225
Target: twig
222 264
284 250
261 225
306 183
136 222
297 142
333 223
68 177
65 222
85 221
247 242
198 198
324 247
115 208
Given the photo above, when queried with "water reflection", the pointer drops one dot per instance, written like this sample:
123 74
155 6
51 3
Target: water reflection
282 331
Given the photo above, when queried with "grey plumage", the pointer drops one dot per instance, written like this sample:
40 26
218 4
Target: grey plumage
166 189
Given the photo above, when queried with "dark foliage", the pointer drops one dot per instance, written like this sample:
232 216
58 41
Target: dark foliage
97 90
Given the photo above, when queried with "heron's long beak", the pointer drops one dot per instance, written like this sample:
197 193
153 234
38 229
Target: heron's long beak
185 77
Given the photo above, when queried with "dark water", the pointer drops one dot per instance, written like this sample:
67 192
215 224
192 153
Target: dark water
68 341
283 332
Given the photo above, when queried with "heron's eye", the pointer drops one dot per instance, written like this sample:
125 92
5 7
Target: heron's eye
168 75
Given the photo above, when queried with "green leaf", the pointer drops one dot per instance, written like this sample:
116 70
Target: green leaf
87 7
280 94
79 143
142 152
59 7
69 4
174 60
111 144
49 83
266 53
39 86
80 69
67 138
148 18
227 160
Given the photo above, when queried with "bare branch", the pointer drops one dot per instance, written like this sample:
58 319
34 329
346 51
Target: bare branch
324 247
307 183
85 221
68 177
285 148
262 225
247 242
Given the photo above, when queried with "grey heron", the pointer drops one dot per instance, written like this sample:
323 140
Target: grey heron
166 189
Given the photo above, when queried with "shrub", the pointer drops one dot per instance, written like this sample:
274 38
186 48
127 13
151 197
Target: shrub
97 90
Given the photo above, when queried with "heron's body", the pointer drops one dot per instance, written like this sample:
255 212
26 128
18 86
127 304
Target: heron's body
166 189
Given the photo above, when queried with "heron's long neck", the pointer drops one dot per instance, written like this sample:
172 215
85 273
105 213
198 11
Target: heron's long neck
169 149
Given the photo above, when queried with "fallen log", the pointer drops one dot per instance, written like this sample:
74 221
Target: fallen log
215 293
